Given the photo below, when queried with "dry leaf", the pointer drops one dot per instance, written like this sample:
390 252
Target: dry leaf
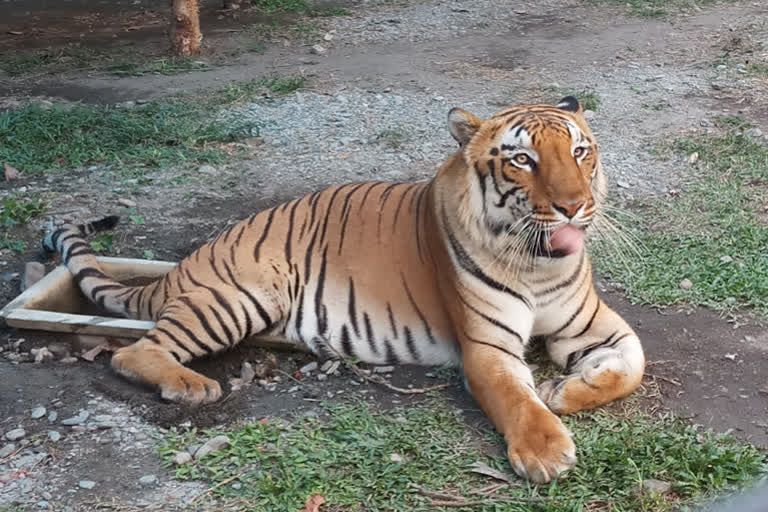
90 355
313 503
15 33
11 173
484 469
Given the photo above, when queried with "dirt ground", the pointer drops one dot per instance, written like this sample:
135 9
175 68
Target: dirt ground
707 369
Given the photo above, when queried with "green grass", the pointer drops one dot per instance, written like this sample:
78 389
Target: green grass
16 211
348 458
170 131
392 137
589 100
653 8
297 6
714 233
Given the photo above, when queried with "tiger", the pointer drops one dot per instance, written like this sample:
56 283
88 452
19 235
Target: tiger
462 269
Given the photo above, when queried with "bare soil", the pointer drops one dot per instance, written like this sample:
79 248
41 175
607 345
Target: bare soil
707 369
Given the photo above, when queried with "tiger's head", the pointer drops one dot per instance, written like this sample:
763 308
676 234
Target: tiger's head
533 174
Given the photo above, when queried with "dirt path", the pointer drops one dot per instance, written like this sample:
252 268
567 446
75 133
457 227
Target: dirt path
392 66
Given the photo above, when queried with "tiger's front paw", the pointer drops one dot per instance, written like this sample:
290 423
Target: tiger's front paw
188 386
539 446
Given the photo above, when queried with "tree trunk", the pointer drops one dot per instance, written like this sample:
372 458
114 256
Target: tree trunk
185 28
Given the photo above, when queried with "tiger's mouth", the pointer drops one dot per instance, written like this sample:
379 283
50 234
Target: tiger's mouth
563 241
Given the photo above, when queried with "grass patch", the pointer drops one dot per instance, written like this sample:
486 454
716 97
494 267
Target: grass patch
160 133
653 8
357 457
16 211
297 6
589 100
392 137
714 234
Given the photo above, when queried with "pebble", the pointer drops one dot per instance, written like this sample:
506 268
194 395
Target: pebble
396 457
86 484
182 458
754 133
206 169
68 360
52 416
126 202
76 420
332 367
309 367
15 434
247 373
148 480
726 259
53 435
623 184
657 486
7 450
212 445
318 50
686 284
37 413
322 377
383 369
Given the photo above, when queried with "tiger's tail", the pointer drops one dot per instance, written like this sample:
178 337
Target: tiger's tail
80 258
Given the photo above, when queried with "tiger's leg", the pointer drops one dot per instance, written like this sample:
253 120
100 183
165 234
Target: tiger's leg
192 325
603 363
539 446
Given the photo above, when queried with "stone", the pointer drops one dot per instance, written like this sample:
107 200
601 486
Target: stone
206 169
6 450
182 458
318 50
15 434
37 413
68 360
212 445
383 369
52 416
53 435
33 272
686 284
396 458
322 377
86 484
126 202
59 350
247 374
623 184
657 486
76 420
726 259
309 367
333 367
754 133
148 480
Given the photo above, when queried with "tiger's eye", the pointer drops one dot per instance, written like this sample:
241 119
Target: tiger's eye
578 152
522 159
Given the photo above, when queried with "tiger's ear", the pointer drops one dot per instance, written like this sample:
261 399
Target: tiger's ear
570 104
462 125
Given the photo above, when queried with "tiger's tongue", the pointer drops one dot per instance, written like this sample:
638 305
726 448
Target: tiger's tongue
568 239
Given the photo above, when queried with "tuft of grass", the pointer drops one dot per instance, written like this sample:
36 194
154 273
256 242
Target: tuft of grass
250 90
16 211
130 66
714 233
356 456
392 137
589 100
271 6
654 8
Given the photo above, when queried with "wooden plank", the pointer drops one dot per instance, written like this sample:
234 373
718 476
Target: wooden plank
77 324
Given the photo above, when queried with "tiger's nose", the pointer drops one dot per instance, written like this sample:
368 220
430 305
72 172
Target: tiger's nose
568 208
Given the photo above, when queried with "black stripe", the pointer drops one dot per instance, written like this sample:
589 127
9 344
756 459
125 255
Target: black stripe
308 256
248 323
264 233
573 316
87 272
490 319
235 320
289 233
483 185
320 311
418 222
69 237
383 199
328 210
76 245
227 332
468 264
399 205
591 319
346 343
189 334
81 252
314 200
566 282
369 334
421 316
300 312
353 309
55 238
503 349
411 344
390 356
213 335
345 215
617 340
392 320
256 304
219 298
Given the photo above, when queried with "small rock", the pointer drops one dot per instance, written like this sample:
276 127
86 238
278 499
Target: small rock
182 458
328 37
37 413
237 485
657 486
68 360
33 272
147 480
754 133
333 367
212 445
731 357
86 484
52 416
43 504
686 284
396 458
59 350
15 434
726 259
126 202
76 420
721 67
623 184
318 50
206 169
749 339
322 376
7 450
53 435
383 369
41 354
294 389
247 374
693 158
309 367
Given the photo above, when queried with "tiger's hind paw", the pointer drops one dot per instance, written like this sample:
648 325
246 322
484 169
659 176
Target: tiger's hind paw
189 387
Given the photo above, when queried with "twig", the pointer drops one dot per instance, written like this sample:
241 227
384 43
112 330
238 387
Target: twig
487 491
382 382
439 495
665 379
278 370
211 489
447 504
